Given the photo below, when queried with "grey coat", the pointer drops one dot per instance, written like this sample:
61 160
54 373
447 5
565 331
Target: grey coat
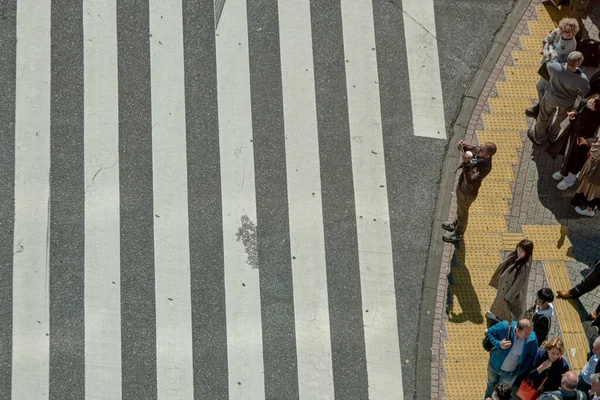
510 279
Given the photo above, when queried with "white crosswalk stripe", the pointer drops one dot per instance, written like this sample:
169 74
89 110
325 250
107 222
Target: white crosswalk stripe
178 358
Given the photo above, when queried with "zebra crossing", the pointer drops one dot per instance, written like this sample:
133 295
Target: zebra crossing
191 211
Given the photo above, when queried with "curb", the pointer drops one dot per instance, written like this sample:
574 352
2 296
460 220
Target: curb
444 198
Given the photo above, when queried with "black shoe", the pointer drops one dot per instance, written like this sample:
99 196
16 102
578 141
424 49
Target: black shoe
530 136
451 237
448 226
533 111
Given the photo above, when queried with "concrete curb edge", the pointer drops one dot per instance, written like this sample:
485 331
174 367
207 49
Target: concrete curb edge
444 198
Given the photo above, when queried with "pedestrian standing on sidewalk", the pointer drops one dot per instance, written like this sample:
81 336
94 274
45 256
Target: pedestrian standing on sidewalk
556 46
549 365
510 279
585 122
510 358
541 313
501 392
594 392
567 83
476 164
578 11
587 196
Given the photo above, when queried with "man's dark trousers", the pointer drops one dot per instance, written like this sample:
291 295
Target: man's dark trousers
463 203
590 282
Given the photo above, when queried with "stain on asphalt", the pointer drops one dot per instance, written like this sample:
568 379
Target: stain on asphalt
247 234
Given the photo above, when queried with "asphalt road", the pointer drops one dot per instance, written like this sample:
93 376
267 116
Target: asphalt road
43 319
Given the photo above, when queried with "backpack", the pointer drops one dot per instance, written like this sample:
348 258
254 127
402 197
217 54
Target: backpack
487 343
590 49
541 327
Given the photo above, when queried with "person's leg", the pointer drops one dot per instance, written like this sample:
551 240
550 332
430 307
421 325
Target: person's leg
463 202
554 130
590 282
543 120
492 381
541 89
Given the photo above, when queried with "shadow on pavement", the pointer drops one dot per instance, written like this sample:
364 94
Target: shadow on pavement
463 302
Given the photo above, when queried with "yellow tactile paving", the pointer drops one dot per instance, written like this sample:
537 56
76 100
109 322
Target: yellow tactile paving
501 172
502 105
504 121
531 43
496 189
516 90
477 258
486 238
522 76
541 28
526 58
567 315
489 206
502 139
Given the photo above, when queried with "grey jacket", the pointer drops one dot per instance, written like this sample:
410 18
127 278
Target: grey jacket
565 85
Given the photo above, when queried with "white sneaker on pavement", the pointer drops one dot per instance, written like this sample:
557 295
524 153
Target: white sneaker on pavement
564 184
557 176
584 211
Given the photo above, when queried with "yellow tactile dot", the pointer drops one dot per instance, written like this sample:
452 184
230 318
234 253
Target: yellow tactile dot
504 121
496 189
541 28
531 43
464 331
517 90
477 258
526 58
510 240
576 345
521 75
501 138
552 254
489 205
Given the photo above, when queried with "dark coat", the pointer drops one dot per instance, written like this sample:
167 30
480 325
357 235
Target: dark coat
554 373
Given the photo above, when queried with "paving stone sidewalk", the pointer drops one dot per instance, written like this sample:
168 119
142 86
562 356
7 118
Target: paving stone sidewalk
535 201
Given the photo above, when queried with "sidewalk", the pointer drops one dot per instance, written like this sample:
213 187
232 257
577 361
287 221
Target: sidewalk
518 200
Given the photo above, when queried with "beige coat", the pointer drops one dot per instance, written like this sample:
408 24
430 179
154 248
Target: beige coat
511 282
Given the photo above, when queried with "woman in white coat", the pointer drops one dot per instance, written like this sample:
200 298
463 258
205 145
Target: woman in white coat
510 279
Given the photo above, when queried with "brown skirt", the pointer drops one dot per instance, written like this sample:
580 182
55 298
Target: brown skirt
589 184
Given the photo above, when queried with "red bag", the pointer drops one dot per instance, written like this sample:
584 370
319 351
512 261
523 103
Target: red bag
527 391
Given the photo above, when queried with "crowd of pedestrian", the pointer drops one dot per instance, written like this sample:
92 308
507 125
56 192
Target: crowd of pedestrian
524 362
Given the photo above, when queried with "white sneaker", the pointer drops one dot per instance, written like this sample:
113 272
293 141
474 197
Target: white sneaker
491 315
584 211
557 176
564 184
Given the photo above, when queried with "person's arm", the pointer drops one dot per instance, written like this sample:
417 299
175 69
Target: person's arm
496 333
554 66
536 363
531 349
472 175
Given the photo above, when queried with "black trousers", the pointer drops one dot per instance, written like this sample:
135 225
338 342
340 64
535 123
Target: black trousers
590 282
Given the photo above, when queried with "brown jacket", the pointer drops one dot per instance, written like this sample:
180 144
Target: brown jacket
470 178
511 282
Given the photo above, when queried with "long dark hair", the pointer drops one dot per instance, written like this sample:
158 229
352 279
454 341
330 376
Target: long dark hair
527 246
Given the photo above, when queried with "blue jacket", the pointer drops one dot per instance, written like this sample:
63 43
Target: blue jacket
498 332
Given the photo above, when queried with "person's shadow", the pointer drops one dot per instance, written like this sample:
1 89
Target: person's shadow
462 303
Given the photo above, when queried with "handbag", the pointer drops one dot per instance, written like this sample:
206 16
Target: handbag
527 391
487 343
543 71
